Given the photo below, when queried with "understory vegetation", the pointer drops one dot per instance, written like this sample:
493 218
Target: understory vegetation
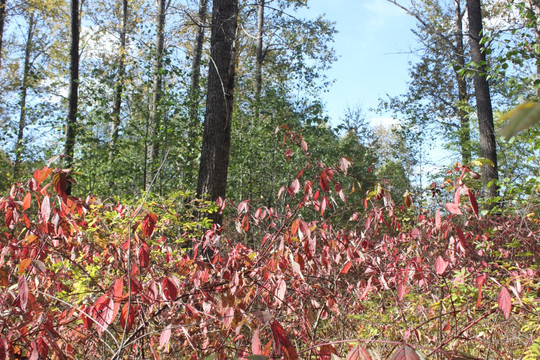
175 215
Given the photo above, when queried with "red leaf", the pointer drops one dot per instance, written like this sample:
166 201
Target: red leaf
324 204
281 338
401 290
304 146
453 208
42 174
256 342
295 186
165 337
46 209
118 287
358 353
149 223
505 303
405 353
281 290
294 227
127 316
438 218
461 237
23 291
27 201
324 181
440 265
245 223
144 255
345 269
60 183
473 202
169 289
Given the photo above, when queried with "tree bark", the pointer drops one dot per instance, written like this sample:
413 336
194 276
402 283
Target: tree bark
196 63
463 94
24 91
119 88
219 104
259 54
155 114
195 91
2 21
483 99
73 96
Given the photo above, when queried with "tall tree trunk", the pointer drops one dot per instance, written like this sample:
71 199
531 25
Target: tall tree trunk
73 96
195 90
24 90
196 63
536 9
219 104
2 21
119 88
463 95
483 98
259 58
155 114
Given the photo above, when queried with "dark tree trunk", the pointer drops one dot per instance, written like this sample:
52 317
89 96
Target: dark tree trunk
73 96
483 99
259 58
155 114
219 104
2 21
195 91
463 95
119 88
24 91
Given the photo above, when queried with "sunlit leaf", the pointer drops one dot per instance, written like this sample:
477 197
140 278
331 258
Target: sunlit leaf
520 118
505 302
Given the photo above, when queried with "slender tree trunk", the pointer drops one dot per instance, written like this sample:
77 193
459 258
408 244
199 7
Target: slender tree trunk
483 99
155 114
2 21
536 8
196 63
463 95
24 90
195 91
119 88
219 104
259 58
73 96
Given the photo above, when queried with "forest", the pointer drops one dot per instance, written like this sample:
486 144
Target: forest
173 187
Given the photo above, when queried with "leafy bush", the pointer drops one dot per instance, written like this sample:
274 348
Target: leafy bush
80 278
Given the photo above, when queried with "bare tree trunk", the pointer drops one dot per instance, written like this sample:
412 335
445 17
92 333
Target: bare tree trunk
73 96
463 95
196 62
157 88
483 99
219 105
536 9
2 21
117 106
24 91
195 90
259 58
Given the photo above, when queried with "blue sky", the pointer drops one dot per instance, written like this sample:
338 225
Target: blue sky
373 44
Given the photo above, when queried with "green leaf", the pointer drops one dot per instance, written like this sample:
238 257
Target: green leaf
482 161
520 118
